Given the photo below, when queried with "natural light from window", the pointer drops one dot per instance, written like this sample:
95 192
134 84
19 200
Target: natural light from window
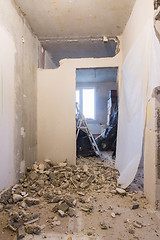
88 103
77 96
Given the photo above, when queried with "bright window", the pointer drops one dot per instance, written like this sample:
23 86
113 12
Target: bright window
77 97
88 103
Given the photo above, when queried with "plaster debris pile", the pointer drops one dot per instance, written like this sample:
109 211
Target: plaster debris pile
55 198
55 184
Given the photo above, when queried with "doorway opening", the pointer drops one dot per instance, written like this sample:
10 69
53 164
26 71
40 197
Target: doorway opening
96 95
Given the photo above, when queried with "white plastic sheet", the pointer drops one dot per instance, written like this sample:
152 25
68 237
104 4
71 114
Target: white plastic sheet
141 74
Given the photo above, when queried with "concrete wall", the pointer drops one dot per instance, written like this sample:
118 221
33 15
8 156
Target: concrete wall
48 61
150 154
18 68
152 150
56 107
44 59
101 98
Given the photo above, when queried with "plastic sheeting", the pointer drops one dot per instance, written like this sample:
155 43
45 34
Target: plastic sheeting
84 147
141 74
107 141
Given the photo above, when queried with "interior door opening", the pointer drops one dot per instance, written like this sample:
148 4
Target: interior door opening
96 95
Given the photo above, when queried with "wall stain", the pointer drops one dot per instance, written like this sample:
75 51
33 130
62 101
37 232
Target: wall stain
54 2
19 9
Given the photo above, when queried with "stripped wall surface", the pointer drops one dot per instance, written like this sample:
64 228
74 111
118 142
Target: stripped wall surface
18 68
7 98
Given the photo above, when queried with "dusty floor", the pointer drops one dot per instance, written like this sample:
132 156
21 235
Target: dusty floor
101 211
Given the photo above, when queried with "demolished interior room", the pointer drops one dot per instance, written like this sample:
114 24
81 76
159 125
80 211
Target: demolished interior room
60 177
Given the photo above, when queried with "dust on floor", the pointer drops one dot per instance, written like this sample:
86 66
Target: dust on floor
76 202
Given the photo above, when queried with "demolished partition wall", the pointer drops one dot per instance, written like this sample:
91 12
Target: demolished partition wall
18 91
56 107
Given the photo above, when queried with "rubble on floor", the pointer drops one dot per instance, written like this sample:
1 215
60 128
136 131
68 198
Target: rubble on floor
55 184
65 190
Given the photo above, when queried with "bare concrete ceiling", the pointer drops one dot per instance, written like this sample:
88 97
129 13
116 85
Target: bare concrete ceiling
75 18
87 48
96 75
75 28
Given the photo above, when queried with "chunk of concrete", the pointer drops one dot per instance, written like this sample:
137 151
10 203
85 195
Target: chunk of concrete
71 202
64 207
84 185
1 207
65 186
56 223
85 168
71 212
62 164
137 224
121 191
103 226
32 201
17 197
55 200
33 229
113 215
33 176
41 167
5 195
61 213
40 183
135 206
21 233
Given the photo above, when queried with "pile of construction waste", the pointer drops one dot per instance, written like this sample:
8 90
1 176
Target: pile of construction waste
58 185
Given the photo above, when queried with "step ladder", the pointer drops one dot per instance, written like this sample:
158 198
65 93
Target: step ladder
82 124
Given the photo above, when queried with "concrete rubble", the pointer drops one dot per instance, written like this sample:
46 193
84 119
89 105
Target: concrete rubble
54 184
65 190
33 229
